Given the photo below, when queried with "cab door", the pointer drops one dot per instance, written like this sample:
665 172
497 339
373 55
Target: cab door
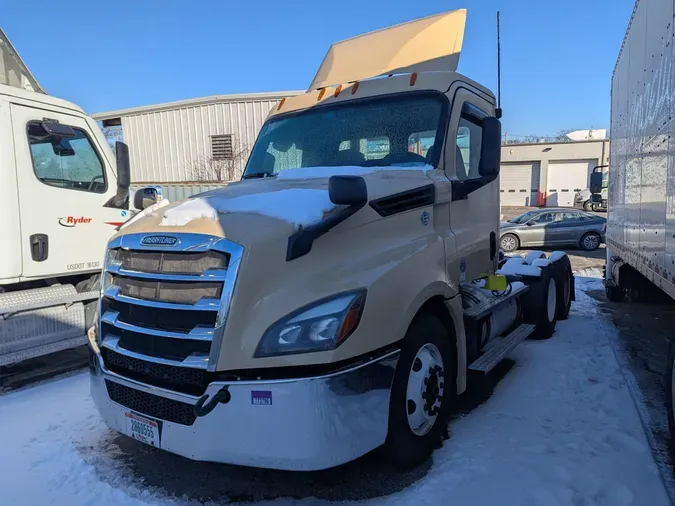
474 219
64 183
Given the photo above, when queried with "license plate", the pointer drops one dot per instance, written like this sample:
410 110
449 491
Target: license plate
143 429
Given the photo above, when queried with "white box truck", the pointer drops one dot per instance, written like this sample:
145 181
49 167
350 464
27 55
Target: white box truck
62 195
641 222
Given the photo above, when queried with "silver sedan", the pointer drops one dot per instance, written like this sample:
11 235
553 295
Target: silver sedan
553 227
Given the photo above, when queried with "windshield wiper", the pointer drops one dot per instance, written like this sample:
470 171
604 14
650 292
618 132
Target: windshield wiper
256 175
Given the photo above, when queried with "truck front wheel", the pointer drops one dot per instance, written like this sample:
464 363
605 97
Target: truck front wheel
422 391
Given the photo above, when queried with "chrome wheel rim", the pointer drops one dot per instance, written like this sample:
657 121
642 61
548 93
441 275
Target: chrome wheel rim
508 243
425 389
591 242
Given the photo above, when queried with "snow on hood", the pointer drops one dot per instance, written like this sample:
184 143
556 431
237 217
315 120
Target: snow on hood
349 170
297 206
146 212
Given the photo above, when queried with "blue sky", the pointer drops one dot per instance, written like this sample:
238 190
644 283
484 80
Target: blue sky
557 56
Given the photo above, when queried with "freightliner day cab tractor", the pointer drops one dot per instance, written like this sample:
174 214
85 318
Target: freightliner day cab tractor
61 199
641 222
335 299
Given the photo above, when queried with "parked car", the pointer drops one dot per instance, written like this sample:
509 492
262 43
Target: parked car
553 227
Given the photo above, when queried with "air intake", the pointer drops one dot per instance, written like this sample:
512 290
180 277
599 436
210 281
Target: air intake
404 201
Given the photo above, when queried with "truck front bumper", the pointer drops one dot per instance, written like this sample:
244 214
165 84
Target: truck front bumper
293 424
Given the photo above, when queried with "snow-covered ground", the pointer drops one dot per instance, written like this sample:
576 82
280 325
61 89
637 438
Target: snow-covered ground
560 429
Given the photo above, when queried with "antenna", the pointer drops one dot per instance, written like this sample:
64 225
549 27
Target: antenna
498 111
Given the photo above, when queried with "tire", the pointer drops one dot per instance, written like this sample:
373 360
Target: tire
670 389
509 243
544 316
590 241
614 293
409 444
588 206
564 283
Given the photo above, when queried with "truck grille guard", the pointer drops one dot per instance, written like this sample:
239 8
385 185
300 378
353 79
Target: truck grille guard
152 327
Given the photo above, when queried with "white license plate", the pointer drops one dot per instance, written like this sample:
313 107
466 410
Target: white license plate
143 429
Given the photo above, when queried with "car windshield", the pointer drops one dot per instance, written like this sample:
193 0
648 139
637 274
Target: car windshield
523 217
394 131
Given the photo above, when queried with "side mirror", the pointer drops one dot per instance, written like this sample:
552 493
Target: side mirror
145 197
121 198
596 182
490 148
348 190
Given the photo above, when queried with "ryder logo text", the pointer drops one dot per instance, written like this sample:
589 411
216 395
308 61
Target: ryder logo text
71 221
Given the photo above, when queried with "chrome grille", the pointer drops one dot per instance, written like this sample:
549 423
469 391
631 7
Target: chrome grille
181 379
170 262
164 306
181 292
151 405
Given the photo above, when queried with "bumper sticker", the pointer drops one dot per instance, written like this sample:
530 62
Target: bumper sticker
261 397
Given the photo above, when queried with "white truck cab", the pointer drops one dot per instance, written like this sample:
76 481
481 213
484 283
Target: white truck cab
62 195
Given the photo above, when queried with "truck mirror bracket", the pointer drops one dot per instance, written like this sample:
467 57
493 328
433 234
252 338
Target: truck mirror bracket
461 189
300 243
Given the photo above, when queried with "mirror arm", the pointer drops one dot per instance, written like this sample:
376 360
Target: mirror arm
461 189
300 243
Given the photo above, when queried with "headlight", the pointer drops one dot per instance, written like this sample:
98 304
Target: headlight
321 326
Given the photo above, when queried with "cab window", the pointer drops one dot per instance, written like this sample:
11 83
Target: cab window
468 144
66 162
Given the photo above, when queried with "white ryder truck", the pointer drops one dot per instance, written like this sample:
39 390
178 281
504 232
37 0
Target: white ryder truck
61 198
335 299
641 222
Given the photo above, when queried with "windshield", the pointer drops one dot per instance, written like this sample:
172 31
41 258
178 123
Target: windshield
523 217
395 131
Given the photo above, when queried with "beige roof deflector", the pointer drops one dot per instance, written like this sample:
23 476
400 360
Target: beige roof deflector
432 43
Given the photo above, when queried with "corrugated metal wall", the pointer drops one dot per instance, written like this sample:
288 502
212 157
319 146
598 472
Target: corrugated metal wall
166 145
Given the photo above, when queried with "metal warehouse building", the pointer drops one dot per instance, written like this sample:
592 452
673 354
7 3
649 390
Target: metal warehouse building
548 174
190 146
197 140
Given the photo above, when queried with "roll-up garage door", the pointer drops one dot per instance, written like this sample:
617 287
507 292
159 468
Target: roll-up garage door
565 178
519 183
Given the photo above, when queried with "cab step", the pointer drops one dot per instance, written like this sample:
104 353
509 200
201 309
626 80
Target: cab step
482 309
502 346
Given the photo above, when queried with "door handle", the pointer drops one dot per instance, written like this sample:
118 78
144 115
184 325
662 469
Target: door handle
39 247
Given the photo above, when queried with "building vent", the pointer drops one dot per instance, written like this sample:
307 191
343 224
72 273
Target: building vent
221 147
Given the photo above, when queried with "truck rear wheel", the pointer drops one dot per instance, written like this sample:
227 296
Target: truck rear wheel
564 287
545 315
423 388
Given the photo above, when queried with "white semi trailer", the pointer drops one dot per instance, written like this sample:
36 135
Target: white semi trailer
641 223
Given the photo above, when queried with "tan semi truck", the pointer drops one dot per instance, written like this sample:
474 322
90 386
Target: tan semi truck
336 299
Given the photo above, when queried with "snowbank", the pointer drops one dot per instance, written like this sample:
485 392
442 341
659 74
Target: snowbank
560 429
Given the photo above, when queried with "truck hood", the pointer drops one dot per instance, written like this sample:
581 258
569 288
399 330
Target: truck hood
357 254
259 210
